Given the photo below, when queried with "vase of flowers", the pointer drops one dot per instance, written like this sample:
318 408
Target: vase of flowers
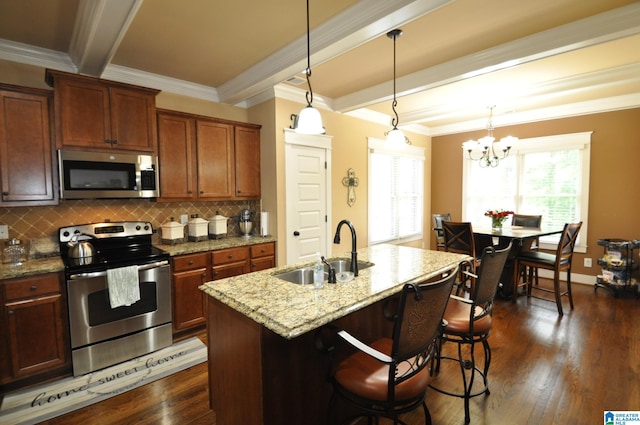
498 218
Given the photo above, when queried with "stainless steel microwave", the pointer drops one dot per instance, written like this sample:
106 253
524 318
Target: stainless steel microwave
96 175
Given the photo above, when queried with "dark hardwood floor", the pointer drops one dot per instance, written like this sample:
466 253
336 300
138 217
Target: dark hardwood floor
545 369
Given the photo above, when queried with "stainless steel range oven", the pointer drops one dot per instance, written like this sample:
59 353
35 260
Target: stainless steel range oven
115 256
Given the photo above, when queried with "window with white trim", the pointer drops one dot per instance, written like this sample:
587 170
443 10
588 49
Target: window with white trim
396 192
546 176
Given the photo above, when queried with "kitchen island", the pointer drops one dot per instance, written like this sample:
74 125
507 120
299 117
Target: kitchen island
264 367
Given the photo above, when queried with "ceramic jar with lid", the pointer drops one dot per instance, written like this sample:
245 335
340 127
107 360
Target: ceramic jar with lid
218 226
198 229
172 232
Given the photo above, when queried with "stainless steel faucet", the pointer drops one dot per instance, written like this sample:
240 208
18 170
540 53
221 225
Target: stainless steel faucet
354 253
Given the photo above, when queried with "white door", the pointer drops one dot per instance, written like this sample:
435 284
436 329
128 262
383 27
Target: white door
307 220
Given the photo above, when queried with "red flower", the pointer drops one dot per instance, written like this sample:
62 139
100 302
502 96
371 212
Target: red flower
498 214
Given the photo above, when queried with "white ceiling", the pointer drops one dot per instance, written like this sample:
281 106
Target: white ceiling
532 60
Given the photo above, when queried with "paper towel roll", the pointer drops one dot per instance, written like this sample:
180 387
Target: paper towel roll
264 223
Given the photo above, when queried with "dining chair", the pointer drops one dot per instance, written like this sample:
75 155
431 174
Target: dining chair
525 220
558 262
437 229
468 321
459 238
390 376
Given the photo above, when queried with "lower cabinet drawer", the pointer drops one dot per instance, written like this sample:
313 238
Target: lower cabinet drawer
31 287
263 250
230 255
190 262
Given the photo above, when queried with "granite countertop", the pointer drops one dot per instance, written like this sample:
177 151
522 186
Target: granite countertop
31 267
214 244
291 310
54 264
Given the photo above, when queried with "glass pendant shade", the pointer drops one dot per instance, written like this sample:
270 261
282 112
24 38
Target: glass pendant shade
396 137
309 121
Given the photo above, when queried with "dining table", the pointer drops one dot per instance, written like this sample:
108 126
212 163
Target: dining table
518 237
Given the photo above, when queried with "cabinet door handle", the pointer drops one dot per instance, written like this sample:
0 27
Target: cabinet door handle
114 142
230 256
10 312
107 141
190 262
33 288
215 273
204 275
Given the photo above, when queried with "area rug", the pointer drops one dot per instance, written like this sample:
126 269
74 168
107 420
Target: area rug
47 401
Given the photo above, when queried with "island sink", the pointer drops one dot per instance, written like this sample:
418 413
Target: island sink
304 275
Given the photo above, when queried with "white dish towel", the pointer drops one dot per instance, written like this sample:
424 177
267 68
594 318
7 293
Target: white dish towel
123 286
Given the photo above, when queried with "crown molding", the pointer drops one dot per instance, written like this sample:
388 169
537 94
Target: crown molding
160 82
36 56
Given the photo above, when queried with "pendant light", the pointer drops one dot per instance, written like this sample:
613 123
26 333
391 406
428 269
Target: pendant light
395 136
309 119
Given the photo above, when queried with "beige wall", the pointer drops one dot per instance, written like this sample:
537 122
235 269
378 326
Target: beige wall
613 195
22 75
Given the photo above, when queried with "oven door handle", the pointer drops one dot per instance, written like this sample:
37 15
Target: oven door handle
104 273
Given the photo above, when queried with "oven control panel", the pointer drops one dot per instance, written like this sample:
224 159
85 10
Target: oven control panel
122 229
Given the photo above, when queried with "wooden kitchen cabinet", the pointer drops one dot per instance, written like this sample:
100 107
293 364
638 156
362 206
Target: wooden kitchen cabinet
177 157
100 114
230 262
26 158
202 158
189 303
247 162
263 256
215 160
35 327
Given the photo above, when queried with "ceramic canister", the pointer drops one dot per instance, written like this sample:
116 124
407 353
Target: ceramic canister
198 229
172 232
218 226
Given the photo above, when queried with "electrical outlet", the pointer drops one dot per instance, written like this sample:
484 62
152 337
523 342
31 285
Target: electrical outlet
4 231
184 219
587 262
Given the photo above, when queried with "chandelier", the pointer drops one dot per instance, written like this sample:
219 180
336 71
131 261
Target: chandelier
309 121
395 136
486 149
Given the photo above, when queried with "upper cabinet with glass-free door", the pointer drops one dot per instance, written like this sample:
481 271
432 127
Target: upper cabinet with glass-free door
26 161
100 114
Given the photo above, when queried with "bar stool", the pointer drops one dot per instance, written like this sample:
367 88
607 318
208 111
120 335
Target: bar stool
467 322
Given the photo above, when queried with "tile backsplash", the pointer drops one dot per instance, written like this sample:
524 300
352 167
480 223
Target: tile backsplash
39 225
